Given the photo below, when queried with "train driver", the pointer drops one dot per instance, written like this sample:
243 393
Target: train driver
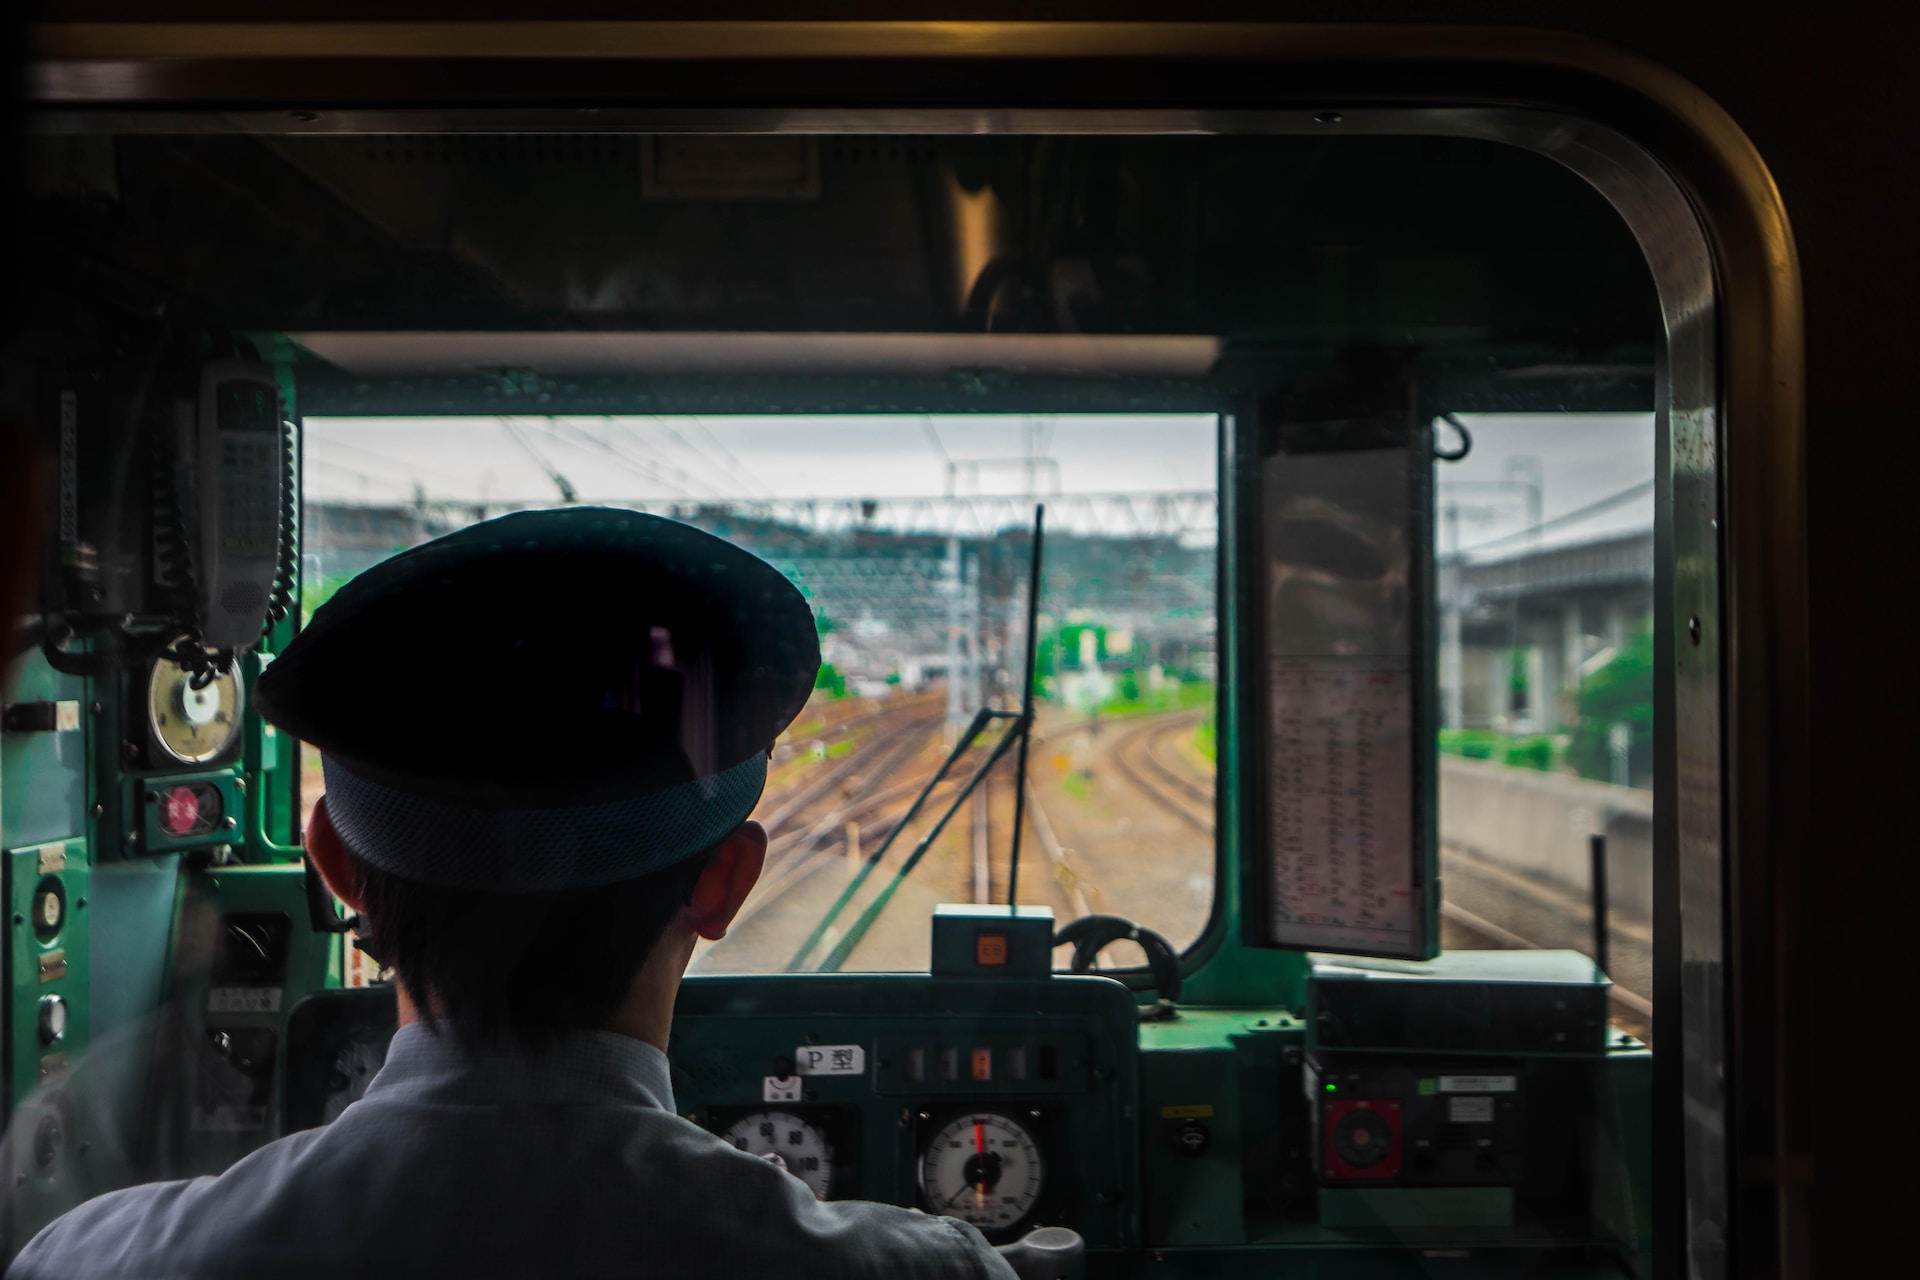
542 736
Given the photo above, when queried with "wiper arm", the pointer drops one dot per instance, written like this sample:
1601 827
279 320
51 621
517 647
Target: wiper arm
844 948
981 720
1020 730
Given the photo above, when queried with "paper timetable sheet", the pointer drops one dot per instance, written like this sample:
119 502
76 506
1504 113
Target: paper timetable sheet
1342 833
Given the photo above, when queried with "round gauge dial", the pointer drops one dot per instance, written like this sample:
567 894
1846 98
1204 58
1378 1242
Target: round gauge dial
983 1168
192 725
784 1139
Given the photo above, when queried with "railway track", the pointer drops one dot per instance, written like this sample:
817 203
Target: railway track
853 788
1139 753
886 722
1068 883
872 787
983 844
864 800
1045 861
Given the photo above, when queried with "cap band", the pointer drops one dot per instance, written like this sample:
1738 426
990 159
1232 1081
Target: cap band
538 850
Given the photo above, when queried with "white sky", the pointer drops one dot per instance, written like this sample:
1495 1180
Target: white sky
1581 459
381 459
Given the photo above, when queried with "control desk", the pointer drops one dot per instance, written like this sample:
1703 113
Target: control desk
1353 1133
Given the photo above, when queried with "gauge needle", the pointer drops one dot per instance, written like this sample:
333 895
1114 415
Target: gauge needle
980 1148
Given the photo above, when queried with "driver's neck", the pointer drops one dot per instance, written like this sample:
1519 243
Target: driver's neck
646 1012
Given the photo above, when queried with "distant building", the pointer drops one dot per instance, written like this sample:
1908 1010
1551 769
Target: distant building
1517 634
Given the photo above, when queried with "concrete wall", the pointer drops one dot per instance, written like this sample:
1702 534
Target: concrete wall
1538 823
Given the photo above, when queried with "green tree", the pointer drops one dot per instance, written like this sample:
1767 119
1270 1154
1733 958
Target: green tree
1621 692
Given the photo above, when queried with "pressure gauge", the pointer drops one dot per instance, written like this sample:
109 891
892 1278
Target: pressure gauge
983 1168
192 725
784 1139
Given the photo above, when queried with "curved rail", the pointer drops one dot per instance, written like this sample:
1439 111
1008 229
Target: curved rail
909 713
1136 754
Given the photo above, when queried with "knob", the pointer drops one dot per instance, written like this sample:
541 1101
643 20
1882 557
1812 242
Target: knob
53 1019
48 910
1193 1138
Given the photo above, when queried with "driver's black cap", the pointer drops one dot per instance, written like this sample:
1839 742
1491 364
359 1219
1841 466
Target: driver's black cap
549 700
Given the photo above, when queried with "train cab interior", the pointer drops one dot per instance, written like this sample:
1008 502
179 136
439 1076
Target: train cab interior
1261 807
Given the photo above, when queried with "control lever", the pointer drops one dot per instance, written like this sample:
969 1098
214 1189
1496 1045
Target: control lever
1047 1253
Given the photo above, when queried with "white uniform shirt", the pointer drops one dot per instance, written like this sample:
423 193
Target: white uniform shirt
562 1161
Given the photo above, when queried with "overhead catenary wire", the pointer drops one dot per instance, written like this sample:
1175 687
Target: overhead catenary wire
413 470
736 466
686 451
560 482
638 441
642 469
657 461
366 479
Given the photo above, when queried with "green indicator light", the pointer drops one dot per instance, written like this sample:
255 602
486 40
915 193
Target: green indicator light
1333 1088
1428 1088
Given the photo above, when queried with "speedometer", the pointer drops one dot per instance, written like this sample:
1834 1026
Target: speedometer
983 1168
784 1139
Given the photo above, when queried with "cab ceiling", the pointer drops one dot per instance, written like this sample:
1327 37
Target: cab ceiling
1485 256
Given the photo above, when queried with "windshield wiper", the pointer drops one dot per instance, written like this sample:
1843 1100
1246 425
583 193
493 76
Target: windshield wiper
1020 730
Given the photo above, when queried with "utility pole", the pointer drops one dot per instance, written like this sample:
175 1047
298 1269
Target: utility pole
951 586
1453 704
970 622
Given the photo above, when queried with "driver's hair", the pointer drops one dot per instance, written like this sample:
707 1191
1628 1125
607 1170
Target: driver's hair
531 966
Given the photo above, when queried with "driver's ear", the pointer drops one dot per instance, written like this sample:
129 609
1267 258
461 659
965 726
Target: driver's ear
729 876
330 857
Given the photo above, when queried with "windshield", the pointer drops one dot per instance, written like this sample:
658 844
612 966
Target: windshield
911 537
1545 547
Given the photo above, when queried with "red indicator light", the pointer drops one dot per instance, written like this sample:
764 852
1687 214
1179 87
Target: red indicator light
180 813
189 810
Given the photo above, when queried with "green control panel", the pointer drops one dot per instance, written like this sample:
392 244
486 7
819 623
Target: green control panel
47 981
1003 1102
1219 1142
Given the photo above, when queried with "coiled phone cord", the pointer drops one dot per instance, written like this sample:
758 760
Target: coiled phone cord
280 600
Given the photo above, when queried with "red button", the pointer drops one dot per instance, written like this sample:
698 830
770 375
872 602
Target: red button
182 812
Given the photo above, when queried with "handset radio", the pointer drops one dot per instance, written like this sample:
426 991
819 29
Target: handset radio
217 564
235 431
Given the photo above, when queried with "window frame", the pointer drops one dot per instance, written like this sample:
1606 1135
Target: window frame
1733 677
